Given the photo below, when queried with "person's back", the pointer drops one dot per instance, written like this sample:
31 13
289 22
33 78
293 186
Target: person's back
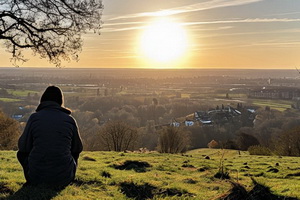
50 145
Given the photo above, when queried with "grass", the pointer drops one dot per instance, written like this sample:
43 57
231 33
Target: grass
190 174
280 105
21 93
8 100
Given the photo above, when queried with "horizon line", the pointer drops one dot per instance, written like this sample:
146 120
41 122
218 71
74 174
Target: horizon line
145 68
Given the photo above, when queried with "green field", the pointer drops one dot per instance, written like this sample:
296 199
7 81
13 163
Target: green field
8 100
280 105
189 176
21 93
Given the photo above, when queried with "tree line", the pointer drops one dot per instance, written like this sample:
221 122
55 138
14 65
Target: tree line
119 124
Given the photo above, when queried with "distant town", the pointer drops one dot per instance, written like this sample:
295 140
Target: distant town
205 101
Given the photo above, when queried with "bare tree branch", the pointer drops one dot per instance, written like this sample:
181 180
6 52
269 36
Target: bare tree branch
50 28
118 136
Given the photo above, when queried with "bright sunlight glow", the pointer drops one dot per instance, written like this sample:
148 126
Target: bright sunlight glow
163 41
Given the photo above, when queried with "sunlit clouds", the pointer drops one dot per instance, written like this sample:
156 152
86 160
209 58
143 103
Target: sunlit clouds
188 8
209 34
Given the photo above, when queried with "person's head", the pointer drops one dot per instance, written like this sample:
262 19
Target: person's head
53 93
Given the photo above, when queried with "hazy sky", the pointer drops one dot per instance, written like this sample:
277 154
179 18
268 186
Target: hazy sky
220 34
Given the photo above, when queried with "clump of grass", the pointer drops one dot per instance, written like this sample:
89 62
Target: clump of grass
273 170
202 169
258 192
189 181
88 158
148 191
4 189
259 174
173 192
105 174
132 190
222 175
188 166
137 166
294 174
79 182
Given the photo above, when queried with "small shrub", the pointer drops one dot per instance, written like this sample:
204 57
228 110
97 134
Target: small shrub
213 144
222 173
173 140
259 150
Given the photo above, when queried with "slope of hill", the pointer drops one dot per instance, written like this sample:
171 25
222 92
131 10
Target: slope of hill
198 174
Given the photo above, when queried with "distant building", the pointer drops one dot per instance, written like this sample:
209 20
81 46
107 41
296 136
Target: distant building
17 117
275 93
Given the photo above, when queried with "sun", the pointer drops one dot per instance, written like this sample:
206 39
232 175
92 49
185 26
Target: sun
163 41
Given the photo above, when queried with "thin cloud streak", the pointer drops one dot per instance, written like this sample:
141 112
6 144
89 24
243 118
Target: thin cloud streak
249 33
249 20
122 24
197 48
255 20
122 29
212 4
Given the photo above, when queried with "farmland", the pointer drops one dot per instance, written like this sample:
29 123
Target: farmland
103 175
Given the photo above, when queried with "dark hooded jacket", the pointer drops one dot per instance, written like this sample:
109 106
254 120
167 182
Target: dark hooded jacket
50 145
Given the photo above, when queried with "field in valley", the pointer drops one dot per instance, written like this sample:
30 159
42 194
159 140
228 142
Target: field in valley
136 175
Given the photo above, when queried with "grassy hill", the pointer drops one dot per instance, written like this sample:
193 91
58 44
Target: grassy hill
114 175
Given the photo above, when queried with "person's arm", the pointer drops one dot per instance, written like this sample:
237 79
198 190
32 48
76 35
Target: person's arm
77 147
25 143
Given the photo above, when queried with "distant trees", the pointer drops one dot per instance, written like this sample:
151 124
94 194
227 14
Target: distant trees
173 140
118 136
151 112
244 141
88 126
288 143
148 136
9 132
125 113
51 29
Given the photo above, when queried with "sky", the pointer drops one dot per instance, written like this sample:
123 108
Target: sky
247 34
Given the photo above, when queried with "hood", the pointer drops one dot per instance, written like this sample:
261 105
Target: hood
52 105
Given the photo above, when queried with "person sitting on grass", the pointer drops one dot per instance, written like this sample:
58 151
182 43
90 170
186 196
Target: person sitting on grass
50 144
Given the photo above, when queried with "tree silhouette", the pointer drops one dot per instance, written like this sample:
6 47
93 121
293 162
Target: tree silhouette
118 136
9 132
50 28
173 140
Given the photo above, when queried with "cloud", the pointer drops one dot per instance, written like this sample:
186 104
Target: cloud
249 20
122 29
229 45
107 27
211 4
